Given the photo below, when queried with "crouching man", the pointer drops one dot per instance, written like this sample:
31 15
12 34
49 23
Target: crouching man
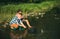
18 20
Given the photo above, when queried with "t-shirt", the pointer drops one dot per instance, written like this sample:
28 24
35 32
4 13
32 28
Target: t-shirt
15 20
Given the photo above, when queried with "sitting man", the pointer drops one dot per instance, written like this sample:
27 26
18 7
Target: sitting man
18 21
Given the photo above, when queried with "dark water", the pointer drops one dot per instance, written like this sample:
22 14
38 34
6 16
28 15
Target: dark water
40 34
46 30
17 35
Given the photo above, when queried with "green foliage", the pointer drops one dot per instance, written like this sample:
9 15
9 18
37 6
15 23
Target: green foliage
8 11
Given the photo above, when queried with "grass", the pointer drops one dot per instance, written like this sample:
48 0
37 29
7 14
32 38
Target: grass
8 11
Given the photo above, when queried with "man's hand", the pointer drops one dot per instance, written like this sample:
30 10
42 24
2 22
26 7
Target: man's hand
30 27
24 26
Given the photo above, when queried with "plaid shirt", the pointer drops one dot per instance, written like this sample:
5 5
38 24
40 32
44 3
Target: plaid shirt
15 20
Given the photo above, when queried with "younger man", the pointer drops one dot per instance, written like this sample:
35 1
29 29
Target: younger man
18 21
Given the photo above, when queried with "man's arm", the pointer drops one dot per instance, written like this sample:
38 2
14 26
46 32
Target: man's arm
21 24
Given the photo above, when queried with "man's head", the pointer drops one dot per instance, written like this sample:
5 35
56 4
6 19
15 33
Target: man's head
19 11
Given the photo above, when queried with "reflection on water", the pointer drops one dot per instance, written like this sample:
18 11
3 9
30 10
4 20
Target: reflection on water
18 35
41 34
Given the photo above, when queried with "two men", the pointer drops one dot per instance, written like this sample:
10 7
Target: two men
18 21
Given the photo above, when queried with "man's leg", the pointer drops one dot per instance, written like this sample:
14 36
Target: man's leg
27 23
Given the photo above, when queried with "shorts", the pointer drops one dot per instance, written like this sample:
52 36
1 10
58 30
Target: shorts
17 27
14 25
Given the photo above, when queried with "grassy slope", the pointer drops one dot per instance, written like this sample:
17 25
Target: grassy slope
8 11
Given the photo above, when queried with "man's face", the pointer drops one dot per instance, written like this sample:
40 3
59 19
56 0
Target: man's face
19 12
